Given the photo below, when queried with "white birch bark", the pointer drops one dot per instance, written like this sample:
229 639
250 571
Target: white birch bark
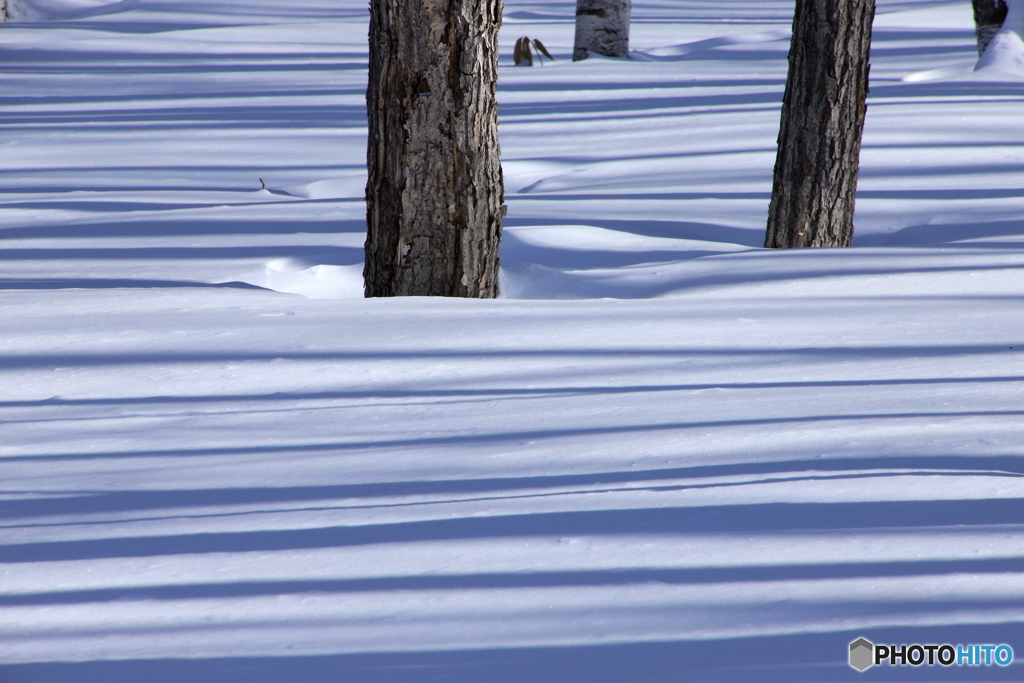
602 27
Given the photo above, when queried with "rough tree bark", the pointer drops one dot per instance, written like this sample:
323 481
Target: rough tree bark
434 193
823 111
602 27
989 16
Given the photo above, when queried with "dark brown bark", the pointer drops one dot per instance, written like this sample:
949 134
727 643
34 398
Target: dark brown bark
823 112
602 27
434 192
989 16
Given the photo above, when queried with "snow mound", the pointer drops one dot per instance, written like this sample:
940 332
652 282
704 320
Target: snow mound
677 52
940 74
334 188
293 275
1005 54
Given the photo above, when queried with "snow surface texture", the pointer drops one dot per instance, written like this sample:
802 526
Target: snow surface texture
667 455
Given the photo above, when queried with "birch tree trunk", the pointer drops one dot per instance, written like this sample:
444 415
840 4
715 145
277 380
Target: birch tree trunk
602 27
823 111
989 16
434 192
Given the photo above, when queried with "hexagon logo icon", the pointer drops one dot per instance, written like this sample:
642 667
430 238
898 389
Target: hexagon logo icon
862 654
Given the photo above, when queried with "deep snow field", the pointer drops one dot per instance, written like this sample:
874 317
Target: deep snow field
665 455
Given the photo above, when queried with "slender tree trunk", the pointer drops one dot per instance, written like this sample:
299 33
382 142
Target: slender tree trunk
602 27
434 193
989 16
823 113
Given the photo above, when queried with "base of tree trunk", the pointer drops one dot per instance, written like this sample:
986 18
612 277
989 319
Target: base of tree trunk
989 16
602 28
823 112
434 193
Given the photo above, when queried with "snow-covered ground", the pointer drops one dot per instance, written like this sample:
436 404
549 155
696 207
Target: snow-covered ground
665 455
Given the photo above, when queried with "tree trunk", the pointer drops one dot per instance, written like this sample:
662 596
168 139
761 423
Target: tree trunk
602 27
434 193
823 112
989 16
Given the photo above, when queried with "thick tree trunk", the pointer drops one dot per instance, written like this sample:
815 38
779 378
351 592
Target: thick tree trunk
989 16
823 113
602 27
434 194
